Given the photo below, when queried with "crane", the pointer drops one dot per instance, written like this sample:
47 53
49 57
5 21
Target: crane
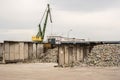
41 33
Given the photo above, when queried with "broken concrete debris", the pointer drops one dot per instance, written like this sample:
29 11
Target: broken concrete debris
50 56
102 55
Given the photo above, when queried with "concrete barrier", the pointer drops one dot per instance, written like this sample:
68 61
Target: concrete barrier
70 53
15 51
1 51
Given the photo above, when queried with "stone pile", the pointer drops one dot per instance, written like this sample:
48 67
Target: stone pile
51 55
104 55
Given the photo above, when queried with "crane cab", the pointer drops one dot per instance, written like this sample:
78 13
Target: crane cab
35 38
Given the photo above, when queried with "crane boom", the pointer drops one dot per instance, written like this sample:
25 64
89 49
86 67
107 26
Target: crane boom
41 33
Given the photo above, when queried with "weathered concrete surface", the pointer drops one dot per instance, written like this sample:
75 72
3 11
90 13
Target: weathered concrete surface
17 51
70 53
1 49
38 71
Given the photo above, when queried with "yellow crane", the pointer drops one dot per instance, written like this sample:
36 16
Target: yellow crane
41 33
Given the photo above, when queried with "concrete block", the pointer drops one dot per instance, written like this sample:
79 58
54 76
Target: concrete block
70 56
17 51
38 50
84 52
6 51
30 51
66 55
26 51
81 53
1 49
61 56
34 51
12 51
74 53
78 53
21 50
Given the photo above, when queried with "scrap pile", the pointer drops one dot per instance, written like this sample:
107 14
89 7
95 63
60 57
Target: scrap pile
104 55
50 56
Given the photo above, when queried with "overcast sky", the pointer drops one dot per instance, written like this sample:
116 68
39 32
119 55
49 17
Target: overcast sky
88 19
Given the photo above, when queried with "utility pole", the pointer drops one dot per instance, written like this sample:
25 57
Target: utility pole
69 33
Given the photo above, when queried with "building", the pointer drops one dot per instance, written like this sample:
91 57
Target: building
59 39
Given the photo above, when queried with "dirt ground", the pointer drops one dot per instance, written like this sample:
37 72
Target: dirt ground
46 71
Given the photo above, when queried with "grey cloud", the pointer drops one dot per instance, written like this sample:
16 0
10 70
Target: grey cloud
85 5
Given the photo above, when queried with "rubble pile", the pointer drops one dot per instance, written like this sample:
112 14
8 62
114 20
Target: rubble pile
50 56
104 55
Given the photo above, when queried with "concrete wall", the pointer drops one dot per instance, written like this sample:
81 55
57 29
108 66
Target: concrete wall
70 53
1 51
15 51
